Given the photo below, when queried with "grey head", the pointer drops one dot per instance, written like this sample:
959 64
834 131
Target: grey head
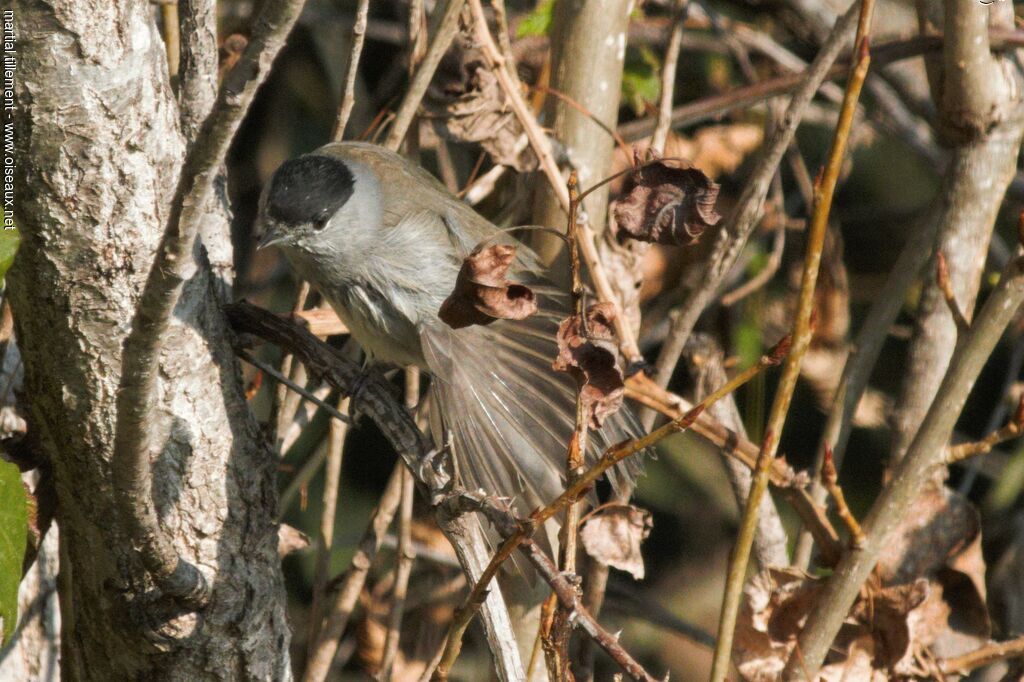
302 197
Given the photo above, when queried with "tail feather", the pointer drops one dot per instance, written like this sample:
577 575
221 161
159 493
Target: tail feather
508 413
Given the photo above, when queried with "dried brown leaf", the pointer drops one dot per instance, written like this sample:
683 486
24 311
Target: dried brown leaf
483 295
885 632
470 106
593 360
612 535
665 205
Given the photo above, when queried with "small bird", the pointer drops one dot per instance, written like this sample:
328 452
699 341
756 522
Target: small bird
383 242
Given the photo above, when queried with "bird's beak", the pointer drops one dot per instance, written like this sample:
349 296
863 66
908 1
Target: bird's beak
270 236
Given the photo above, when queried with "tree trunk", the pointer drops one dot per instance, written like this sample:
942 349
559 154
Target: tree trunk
99 153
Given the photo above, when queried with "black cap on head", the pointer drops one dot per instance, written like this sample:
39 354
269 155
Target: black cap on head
309 189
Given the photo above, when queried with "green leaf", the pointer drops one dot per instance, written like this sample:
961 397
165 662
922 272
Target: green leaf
9 240
13 534
641 82
537 22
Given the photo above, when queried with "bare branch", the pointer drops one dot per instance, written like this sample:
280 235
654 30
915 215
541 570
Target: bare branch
447 28
830 479
323 648
925 454
986 655
325 538
1008 431
136 400
946 287
802 332
348 95
668 80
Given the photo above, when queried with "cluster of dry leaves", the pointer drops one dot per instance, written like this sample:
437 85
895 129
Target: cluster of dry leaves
925 604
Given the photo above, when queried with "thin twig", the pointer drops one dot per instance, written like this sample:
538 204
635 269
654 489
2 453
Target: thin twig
281 411
405 550
344 602
802 332
137 414
830 479
558 636
325 538
1010 430
172 37
301 479
447 28
577 489
811 514
509 527
946 287
668 79
348 97
288 383
733 236
764 275
986 655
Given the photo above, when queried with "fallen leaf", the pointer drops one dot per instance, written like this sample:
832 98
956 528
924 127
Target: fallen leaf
941 541
612 535
889 631
593 360
665 205
483 295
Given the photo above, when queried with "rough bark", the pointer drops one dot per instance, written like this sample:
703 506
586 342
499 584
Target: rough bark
99 151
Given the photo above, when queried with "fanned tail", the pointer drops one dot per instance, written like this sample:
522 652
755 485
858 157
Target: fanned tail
508 415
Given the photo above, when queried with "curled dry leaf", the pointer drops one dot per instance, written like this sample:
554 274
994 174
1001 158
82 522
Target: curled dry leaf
483 295
941 541
880 636
612 535
469 106
593 360
665 205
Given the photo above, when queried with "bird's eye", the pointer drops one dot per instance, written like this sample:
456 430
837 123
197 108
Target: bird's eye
319 224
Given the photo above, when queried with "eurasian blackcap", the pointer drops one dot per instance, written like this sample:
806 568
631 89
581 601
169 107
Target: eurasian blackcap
383 240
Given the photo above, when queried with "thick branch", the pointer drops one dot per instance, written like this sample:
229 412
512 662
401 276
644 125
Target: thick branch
137 416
